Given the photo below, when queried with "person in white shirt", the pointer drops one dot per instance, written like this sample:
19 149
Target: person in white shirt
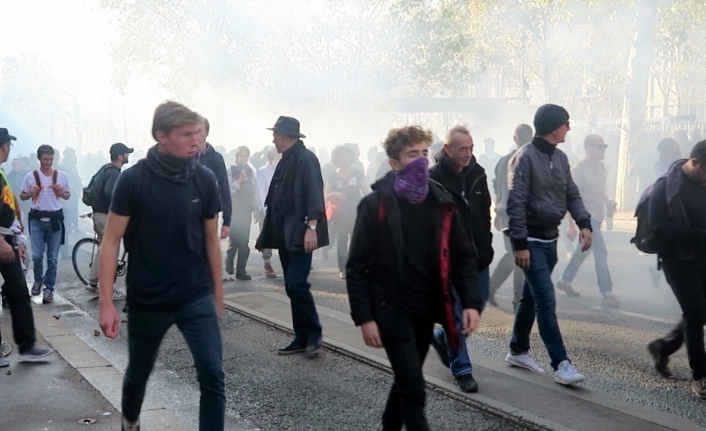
264 178
46 188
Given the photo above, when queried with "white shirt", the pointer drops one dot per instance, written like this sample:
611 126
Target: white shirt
47 198
264 179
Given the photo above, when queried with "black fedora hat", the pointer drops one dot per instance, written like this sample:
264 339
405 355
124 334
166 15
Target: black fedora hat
287 126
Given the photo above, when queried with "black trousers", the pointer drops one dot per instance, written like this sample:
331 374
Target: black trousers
406 340
688 281
15 291
240 239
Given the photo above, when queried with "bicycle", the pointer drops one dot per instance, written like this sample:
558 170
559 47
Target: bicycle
90 247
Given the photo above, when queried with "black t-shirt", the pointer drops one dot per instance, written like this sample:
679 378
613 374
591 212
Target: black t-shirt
419 262
350 187
168 264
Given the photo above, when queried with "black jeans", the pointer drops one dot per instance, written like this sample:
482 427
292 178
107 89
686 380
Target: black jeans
15 291
198 323
240 239
688 281
296 266
406 342
343 229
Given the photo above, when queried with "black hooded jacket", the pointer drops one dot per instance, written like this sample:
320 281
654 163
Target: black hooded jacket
213 160
469 189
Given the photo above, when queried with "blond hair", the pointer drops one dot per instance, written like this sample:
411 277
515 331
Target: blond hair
459 128
170 115
408 136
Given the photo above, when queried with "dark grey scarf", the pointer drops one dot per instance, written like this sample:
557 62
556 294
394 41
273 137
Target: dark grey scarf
171 168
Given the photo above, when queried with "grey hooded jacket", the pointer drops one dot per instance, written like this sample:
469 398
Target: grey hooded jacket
541 191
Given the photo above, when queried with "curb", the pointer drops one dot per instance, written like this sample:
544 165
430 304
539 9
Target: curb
487 405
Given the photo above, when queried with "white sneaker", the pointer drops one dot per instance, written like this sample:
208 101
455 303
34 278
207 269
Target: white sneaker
566 374
523 361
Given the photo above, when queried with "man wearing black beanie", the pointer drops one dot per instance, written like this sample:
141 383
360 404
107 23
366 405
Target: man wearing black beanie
541 191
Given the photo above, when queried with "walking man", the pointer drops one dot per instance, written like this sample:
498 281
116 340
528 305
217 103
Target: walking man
677 217
14 287
264 179
167 208
456 169
46 188
541 191
506 265
408 256
590 177
210 158
99 193
245 204
295 224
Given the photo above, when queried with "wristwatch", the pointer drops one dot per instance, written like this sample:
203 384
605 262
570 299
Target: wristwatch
311 227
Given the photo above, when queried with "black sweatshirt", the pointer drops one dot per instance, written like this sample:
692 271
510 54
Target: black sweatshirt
212 160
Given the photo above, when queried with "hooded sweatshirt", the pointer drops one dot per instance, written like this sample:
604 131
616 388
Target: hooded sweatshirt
212 160
469 189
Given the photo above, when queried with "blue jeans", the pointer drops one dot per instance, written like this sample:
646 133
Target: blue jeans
459 361
600 255
538 300
296 266
198 323
43 237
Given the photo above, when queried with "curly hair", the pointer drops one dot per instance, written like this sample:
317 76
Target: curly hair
341 151
408 136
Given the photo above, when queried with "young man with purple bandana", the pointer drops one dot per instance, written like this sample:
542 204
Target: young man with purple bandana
408 251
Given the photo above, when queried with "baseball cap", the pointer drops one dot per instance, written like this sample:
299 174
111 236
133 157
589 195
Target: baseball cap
120 148
5 136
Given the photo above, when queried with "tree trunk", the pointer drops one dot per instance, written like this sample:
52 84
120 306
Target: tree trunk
635 102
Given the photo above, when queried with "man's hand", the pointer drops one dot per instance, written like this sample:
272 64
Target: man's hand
585 239
243 176
371 334
310 241
7 252
522 259
471 319
218 299
571 232
109 321
225 232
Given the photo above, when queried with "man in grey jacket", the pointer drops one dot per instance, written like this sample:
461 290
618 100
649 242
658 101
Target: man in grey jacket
541 191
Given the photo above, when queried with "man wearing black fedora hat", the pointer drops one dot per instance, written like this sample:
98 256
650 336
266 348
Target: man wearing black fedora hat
295 224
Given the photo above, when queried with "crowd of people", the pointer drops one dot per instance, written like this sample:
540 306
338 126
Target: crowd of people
413 234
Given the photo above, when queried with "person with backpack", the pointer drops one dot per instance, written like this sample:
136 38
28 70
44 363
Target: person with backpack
98 195
676 221
166 208
408 255
46 188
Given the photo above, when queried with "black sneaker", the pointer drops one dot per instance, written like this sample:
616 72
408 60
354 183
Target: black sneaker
35 354
127 427
699 388
48 297
467 383
291 349
36 288
313 348
242 275
661 360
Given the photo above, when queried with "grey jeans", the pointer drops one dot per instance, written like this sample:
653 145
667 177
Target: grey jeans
600 255
502 271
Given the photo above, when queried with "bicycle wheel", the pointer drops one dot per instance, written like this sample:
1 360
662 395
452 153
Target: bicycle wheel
84 257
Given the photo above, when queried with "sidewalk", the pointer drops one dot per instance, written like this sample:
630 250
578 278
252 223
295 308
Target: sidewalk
74 384
530 399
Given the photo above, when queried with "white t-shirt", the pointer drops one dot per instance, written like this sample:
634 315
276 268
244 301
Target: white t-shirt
47 198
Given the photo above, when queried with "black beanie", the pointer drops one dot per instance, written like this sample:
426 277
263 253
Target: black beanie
549 118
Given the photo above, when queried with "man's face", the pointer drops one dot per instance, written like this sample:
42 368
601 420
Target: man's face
243 158
46 161
596 149
460 149
181 142
560 133
16 165
202 135
125 158
280 141
698 172
5 154
409 154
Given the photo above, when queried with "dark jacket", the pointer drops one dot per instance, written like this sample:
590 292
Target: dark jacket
675 235
469 188
541 191
109 177
213 160
296 195
375 263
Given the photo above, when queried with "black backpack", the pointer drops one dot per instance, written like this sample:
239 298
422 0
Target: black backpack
142 188
644 235
94 190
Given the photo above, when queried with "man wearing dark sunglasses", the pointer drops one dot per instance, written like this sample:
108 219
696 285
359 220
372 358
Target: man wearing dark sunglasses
590 177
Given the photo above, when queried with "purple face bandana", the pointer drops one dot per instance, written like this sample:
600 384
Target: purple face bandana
412 182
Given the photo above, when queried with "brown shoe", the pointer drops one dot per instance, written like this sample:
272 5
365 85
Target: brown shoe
269 272
611 301
699 388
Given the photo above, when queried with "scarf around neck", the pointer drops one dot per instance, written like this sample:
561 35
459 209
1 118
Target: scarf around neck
173 169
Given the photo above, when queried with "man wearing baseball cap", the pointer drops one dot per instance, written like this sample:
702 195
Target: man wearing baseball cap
541 191
101 192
